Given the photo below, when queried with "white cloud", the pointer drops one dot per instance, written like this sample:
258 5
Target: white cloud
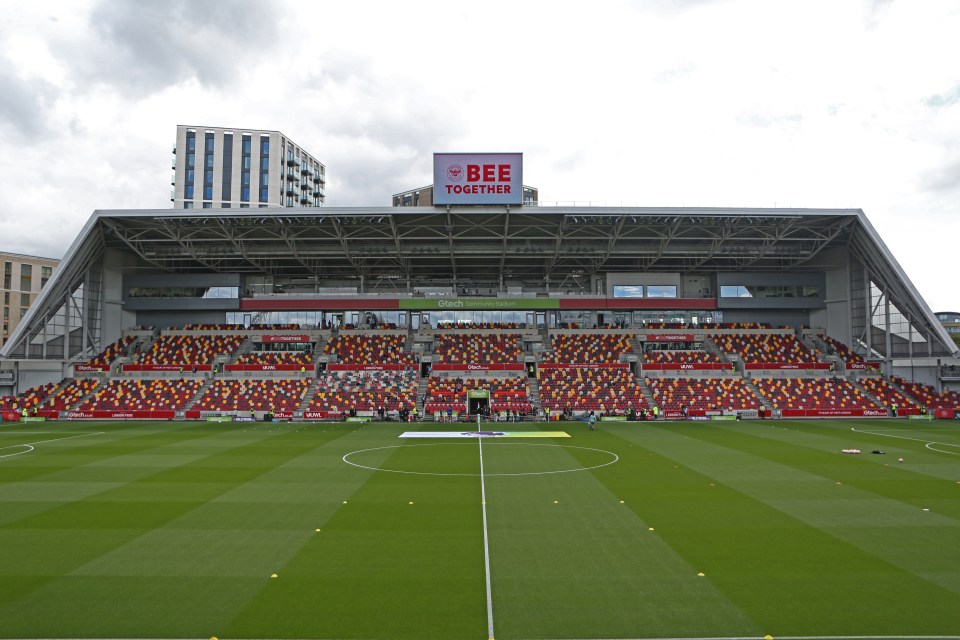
715 103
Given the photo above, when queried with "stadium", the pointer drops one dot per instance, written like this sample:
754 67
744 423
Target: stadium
275 415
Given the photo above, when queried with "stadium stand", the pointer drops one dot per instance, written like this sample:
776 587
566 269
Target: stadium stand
253 395
473 348
702 394
340 392
588 348
889 396
142 395
606 390
189 349
755 349
928 396
812 393
362 349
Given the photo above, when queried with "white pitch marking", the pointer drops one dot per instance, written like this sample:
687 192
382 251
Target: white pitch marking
486 542
30 446
926 443
615 459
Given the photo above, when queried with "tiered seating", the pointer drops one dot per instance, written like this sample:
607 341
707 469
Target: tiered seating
681 357
68 396
142 395
276 357
341 391
606 390
478 325
708 394
29 399
588 347
112 352
887 394
506 394
473 348
928 396
813 393
212 327
293 326
370 349
845 353
765 348
189 350
253 395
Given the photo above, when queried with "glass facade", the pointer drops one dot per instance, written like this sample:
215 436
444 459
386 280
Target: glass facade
227 174
189 175
246 153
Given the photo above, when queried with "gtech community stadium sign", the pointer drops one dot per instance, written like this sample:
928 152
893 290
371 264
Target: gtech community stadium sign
477 178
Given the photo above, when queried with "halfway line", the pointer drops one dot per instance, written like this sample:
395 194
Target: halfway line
486 541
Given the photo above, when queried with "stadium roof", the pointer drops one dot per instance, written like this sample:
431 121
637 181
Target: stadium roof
460 245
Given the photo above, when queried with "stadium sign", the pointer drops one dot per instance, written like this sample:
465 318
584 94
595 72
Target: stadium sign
479 304
477 178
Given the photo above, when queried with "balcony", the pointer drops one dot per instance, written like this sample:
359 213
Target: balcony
291 177
290 191
306 171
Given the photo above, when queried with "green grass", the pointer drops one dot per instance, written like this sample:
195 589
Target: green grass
173 530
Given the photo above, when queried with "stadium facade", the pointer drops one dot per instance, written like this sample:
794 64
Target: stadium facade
218 167
539 267
23 278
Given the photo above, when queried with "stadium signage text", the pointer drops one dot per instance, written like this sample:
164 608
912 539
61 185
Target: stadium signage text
477 178
670 337
286 339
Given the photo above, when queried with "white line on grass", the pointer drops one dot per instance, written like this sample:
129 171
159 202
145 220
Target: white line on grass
30 447
926 441
486 541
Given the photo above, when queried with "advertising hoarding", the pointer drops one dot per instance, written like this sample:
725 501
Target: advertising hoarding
477 178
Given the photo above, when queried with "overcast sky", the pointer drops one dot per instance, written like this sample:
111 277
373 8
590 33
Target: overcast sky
647 102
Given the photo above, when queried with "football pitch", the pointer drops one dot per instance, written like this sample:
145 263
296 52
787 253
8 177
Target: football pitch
673 530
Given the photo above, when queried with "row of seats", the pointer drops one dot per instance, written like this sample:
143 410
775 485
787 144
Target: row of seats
708 394
253 395
754 348
67 396
587 348
29 399
813 393
475 348
707 325
681 357
605 390
276 357
372 349
844 352
113 351
341 391
460 408
142 395
887 394
928 396
189 349
478 325
459 386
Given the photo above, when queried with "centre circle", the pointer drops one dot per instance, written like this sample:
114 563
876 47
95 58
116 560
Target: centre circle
499 459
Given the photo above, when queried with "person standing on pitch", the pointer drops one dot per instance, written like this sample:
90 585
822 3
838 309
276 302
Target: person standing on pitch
592 420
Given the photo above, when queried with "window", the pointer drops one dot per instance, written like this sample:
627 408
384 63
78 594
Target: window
7 274
245 194
6 297
208 192
188 192
188 205
661 291
207 205
24 299
26 277
263 194
627 291
226 178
